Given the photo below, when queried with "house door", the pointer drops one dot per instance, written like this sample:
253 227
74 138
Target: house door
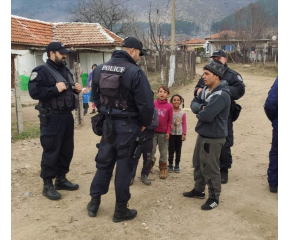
12 71
73 57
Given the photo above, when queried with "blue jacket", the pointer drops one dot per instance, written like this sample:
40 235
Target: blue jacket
86 97
271 104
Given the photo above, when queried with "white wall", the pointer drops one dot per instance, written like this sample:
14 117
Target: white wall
88 59
25 63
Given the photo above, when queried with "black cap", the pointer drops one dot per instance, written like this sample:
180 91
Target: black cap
216 67
219 53
56 46
131 42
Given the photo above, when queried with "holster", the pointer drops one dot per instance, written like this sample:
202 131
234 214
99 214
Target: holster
97 124
43 114
139 148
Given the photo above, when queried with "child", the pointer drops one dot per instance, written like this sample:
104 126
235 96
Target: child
178 133
86 96
148 134
162 132
89 84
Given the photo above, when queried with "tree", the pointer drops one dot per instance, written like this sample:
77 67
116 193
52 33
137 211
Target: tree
112 14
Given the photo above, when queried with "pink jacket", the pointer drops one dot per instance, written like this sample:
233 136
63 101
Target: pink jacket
165 113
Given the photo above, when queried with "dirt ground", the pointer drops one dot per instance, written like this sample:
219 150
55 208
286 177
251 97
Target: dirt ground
247 209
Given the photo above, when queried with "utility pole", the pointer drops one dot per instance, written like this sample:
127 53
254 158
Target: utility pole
172 56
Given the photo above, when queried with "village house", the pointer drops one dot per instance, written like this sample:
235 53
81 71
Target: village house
89 43
230 41
197 44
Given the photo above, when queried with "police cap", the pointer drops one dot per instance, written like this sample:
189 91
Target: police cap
219 53
56 46
131 42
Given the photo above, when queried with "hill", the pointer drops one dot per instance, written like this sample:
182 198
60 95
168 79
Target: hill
202 13
270 7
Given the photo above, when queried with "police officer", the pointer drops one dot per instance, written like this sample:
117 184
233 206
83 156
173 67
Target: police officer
237 89
52 84
122 93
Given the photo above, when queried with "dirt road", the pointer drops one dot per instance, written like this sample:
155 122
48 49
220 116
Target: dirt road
247 209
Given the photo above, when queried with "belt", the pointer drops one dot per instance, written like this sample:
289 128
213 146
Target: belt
59 111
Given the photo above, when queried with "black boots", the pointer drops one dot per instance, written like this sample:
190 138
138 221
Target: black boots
273 189
93 111
61 183
123 213
93 206
224 175
49 191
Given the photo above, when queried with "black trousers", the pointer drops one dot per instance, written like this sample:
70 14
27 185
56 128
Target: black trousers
120 151
226 155
57 141
86 107
175 144
146 152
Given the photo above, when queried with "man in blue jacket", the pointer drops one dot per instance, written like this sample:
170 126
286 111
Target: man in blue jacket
271 110
212 107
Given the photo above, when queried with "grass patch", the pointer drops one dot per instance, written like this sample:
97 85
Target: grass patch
267 70
30 130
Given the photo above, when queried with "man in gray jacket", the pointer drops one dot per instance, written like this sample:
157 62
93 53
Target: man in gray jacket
212 108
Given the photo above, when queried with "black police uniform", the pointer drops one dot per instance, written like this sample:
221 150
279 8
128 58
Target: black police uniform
121 92
57 123
237 89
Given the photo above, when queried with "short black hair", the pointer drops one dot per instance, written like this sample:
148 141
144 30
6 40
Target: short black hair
48 53
94 65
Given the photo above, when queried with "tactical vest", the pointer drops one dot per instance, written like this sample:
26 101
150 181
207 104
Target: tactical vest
67 99
113 93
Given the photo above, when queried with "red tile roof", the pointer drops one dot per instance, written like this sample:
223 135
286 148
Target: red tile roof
223 35
34 32
84 34
195 41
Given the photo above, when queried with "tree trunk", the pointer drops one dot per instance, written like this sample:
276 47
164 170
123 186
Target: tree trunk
78 79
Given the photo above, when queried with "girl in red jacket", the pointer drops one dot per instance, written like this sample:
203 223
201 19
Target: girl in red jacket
162 132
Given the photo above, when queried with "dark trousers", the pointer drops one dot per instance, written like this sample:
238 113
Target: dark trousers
120 151
226 155
57 141
175 144
86 107
146 152
273 157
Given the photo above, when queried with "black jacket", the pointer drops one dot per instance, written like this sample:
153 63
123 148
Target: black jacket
135 80
212 120
234 80
42 86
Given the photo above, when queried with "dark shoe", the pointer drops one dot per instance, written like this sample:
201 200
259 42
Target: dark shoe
224 176
132 181
210 204
194 194
145 179
61 183
122 213
93 206
170 168
273 189
93 111
49 191
176 169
